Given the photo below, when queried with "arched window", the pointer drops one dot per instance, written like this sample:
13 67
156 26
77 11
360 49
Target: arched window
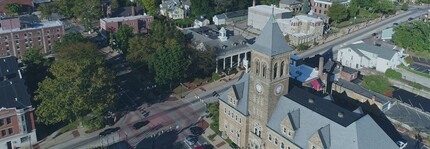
282 69
264 70
275 70
257 67
282 145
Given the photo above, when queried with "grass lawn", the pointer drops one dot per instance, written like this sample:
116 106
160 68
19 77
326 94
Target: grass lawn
71 126
377 83
184 22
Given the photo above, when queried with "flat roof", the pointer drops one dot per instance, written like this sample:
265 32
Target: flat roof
35 26
268 9
117 19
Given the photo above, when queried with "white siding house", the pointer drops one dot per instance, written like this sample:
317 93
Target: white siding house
362 55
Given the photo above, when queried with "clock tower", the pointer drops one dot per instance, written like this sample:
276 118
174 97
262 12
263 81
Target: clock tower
269 73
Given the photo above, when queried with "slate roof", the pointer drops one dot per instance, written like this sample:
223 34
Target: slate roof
8 66
353 131
362 91
13 92
271 41
348 70
233 14
381 52
241 91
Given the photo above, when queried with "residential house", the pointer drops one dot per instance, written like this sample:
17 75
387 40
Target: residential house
173 9
17 123
260 14
230 17
322 6
302 29
19 34
27 5
231 50
293 5
387 34
348 74
139 23
362 55
201 21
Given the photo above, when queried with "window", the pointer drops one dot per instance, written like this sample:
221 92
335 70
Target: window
8 120
10 130
289 133
16 36
24 139
225 110
38 32
275 70
313 147
1 122
285 130
276 141
264 70
58 30
282 145
47 31
270 138
3 132
257 67
5 37
281 73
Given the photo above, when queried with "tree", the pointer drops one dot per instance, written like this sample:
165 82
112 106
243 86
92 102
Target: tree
413 36
87 9
150 6
385 7
115 4
353 8
68 39
306 7
45 9
122 36
13 8
222 5
64 7
405 6
81 83
170 63
203 62
337 12
140 52
36 68
202 8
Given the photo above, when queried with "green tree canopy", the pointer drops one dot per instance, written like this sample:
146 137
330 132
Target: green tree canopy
46 9
202 62
68 39
87 9
413 36
141 51
170 63
13 8
64 7
376 83
337 12
150 6
124 33
80 84
306 7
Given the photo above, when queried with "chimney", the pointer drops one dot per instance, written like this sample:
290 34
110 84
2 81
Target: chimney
373 98
253 3
320 66
109 11
133 11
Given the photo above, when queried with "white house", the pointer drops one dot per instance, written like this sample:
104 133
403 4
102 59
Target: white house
230 17
173 9
199 22
362 55
260 14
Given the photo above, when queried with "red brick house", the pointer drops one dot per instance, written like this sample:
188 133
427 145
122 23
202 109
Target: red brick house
17 127
140 23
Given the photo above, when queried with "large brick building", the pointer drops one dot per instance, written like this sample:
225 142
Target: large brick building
17 128
257 113
27 4
139 23
321 6
17 35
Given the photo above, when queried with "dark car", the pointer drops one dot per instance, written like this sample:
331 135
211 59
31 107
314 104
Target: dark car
109 131
191 140
374 34
196 130
410 19
139 125
395 24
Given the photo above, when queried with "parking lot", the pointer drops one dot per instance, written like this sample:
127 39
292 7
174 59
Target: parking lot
421 60
420 68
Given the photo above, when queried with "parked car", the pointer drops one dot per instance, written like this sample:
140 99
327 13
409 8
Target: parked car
108 131
191 140
205 146
140 124
196 130
410 19
395 24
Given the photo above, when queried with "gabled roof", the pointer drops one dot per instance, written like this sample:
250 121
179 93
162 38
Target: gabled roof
351 131
8 66
240 88
381 52
271 41
13 92
289 2
362 91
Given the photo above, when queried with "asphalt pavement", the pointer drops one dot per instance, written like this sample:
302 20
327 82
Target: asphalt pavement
363 33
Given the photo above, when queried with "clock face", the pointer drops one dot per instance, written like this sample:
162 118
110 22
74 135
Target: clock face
258 87
279 88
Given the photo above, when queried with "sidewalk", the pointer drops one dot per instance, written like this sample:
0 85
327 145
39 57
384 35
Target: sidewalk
408 88
217 142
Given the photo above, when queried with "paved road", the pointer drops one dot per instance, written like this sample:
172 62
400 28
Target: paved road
414 77
361 34
163 117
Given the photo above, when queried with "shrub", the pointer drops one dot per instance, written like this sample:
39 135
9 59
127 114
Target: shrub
215 76
377 83
393 74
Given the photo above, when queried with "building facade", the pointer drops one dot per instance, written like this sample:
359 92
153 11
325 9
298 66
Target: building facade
260 14
321 6
257 113
302 29
139 23
174 9
363 55
17 123
16 36
293 5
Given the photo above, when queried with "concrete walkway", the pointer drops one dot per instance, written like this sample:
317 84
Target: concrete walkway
217 141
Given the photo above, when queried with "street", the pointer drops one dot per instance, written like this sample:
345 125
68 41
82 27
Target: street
363 33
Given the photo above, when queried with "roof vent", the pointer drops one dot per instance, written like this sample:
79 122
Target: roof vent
340 114
311 100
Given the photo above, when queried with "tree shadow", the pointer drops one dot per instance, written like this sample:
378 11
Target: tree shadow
166 140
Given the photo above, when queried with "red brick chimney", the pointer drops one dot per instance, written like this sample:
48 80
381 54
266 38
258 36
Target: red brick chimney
133 11
320 66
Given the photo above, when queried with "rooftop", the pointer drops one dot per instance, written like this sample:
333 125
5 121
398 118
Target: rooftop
35 26
118 19
364 92
303 73
380 51
126 11
387 33
240 89
289 2
268 9
13 92
233 14
349 70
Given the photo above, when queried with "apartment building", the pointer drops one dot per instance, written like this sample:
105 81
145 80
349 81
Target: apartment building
17 35
321 6
17 127
302 29
139 23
